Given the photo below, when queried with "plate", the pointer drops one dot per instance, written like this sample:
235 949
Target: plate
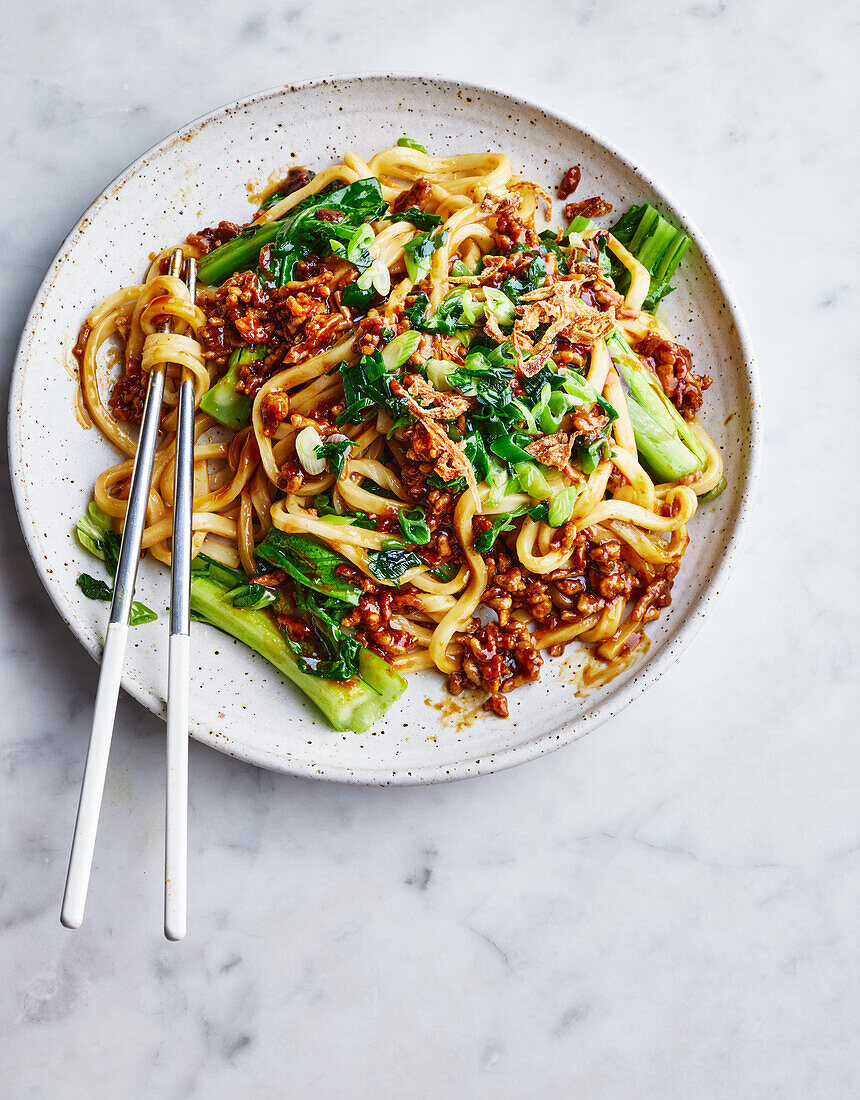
201 175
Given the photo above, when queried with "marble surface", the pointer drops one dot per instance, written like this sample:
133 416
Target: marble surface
665 909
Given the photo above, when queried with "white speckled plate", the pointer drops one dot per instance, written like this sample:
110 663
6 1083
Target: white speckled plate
197 177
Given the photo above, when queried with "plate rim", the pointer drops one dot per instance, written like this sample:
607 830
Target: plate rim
512 755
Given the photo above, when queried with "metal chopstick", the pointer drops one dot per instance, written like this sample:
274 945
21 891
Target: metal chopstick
116 637
176 806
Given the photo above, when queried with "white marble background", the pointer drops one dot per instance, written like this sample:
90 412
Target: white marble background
667 909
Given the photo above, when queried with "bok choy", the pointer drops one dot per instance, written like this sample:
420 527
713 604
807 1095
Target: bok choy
664 439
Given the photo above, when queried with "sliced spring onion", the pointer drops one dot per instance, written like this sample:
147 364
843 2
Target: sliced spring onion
500 305
437 374
400 349
472 310
532 481
377 276
562 505
411 143
307 442
720 487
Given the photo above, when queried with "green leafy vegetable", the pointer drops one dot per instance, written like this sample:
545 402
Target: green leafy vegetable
353 704
664 439
656 244
366 387
485 540
418 252
311 230
590 452
337 655
514 286
336 452
455 485
561 506
310 562
457 311
359 299
96 535
251 596
94 589
488 381
321 503
390 564
550 243
299 233
418 217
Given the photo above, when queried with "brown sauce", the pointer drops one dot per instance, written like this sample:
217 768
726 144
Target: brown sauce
594 673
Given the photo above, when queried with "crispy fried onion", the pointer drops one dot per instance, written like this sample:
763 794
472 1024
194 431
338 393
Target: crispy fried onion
448 457
552 450
566 315
439 406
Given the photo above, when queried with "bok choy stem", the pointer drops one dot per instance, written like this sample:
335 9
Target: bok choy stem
664 439
352 704
223 402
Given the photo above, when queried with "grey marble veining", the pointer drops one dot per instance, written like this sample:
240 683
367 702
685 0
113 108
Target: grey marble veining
665 909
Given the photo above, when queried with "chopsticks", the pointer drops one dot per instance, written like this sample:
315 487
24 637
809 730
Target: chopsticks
176 803
116 638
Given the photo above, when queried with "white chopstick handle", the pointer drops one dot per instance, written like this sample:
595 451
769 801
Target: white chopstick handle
95 770
176 822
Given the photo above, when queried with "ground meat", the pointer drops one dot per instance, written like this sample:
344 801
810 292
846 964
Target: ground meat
294 628
324 214
295 180
370 620
588 208
207 239
274 410
417 195
272 579
129 395
616 480
656 596
570 182
373 331
431 449
589 421
293 322
247 306
500 658
510 587
510 230
607 573
291 478
673 365
570 354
